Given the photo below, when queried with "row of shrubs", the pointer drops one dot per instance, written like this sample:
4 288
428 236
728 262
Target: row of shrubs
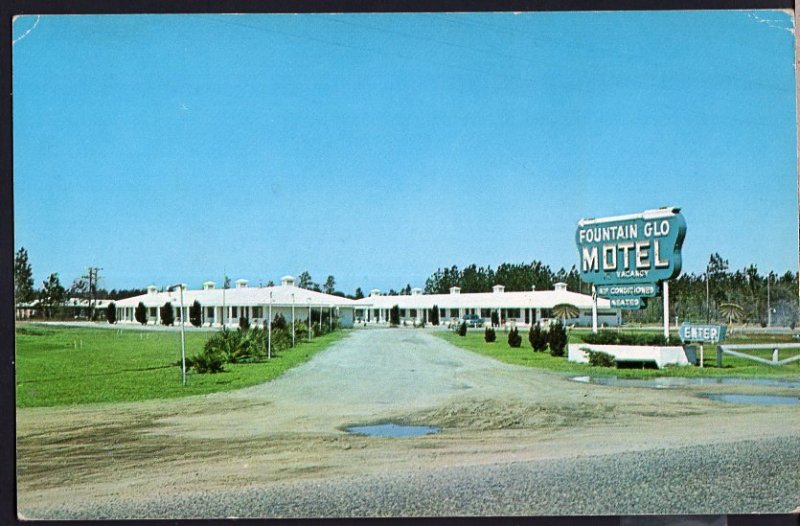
622 338
249 344
554 339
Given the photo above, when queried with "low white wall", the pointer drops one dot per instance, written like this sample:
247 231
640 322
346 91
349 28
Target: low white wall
661 355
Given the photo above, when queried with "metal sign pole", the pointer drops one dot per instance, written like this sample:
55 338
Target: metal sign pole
269 327
701 355
666 309
183 339
594 310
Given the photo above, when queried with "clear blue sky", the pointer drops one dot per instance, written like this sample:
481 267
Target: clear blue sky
379 147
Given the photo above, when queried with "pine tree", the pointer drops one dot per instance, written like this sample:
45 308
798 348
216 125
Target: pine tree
196 314
514 339
434 317
111 313
537 338
52 295
557 339
394 316
23 277
141 313
167 314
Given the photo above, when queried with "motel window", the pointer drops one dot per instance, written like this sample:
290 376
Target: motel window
442 313
547 313
486 313
402 313
152 312
606 313
257 312
234 312
413 313
512 313
209 312
454 313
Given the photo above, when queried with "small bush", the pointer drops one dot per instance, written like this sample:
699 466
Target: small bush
600 359
141 313
514 339
209 361
434 317
244 323
557 339
495 319
167 314
537 338
279 323
462 329
196 314
300 329
489 335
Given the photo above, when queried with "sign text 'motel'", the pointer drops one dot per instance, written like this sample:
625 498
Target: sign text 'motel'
640 248
701 333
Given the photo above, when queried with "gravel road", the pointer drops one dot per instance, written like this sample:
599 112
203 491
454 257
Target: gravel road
514 441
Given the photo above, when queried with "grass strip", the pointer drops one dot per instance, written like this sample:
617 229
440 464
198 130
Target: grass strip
76 365
524 355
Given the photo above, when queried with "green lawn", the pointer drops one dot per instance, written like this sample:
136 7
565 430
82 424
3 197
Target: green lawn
71 365
524 355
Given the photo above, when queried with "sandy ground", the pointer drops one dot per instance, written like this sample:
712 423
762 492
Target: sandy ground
290 430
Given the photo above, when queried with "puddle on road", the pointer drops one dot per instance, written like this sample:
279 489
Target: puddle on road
392 430
674 382
753 399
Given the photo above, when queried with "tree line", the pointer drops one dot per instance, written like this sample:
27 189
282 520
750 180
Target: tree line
719 294
744 295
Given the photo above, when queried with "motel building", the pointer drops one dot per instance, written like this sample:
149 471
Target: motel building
512 308
226 306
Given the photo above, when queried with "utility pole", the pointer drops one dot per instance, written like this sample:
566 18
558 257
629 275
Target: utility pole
93 274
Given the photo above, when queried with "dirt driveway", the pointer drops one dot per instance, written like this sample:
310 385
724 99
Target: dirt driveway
72 461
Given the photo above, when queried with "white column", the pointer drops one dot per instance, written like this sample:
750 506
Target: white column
665 287
594 310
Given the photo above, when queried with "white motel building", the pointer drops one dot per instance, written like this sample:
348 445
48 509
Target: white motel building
522 308
255 303
226 306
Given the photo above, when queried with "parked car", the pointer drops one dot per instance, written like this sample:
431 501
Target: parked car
473 320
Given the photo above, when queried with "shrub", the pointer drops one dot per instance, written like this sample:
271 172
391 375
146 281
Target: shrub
462 329
208 361
281 339
557 339
196 314
111 313
300 329
489 335
600 359
434 315
141 313
495 319
394 316
167 314
244 323
514 339
279 323
537 338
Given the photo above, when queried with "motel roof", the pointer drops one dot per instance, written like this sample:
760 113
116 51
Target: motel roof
283 295
542 299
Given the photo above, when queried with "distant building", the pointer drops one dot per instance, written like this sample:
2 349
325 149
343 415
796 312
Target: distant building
225 306
522 308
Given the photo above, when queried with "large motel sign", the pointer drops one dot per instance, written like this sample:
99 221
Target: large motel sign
631 258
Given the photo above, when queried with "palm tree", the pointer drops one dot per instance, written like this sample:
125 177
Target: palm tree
732 311
565 311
